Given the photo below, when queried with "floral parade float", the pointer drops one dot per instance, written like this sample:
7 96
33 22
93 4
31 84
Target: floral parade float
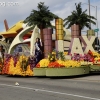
56 64
81 61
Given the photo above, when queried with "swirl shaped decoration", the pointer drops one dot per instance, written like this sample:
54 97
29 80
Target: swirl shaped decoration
35 34
19 39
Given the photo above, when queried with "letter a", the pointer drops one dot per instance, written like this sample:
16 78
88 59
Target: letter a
75 46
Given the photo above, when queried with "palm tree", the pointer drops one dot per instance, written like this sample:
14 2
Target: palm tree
80 18
41 18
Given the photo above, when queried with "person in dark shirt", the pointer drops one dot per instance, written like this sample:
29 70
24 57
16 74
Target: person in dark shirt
38 51
2 51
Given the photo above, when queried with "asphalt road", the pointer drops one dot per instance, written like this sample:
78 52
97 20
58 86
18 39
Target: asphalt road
35 88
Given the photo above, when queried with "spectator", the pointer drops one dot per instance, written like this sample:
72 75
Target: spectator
2 51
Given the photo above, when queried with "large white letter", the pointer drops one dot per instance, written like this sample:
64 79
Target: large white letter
75 46
88 43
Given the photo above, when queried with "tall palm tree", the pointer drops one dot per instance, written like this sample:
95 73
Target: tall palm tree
80 18
41 17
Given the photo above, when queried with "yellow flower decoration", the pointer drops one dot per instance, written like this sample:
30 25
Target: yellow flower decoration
54 53
65 53
44 63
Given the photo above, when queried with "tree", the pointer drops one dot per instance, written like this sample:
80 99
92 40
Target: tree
80 18
41 17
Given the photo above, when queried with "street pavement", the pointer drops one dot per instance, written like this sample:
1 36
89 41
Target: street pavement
95 77
42 88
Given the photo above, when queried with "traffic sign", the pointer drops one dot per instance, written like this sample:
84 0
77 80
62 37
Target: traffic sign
96 30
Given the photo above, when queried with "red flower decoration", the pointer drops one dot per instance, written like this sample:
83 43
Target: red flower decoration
38 65
55 65
90 52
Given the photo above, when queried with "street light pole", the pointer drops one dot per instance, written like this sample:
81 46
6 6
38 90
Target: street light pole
95 17
97 27
96 20
89 6
89 9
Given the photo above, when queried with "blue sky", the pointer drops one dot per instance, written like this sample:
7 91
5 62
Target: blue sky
23 8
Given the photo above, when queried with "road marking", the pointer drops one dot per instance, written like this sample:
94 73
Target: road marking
42 90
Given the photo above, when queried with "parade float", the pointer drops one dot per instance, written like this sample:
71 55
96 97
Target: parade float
80 59
55 63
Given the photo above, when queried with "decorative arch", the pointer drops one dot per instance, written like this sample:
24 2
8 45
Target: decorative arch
19 39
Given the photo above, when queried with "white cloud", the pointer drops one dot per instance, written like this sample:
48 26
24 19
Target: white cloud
62 8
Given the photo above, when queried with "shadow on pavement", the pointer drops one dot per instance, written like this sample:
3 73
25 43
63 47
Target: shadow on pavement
55 77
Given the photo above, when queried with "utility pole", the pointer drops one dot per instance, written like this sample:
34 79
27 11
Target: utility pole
89 9
97 28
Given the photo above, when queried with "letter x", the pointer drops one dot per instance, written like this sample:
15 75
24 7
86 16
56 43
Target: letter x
88 43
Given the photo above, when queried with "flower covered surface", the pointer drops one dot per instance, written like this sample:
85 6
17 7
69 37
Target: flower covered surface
17 65
58 60
23 65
